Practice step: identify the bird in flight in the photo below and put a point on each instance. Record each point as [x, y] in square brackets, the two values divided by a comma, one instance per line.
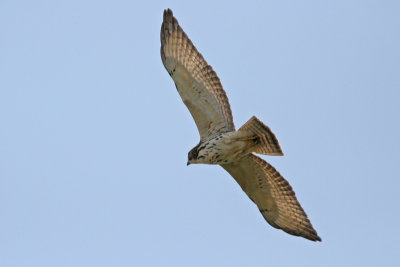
[202, 92]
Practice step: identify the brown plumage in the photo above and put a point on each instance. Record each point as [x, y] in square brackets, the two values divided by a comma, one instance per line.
[261, 134]
[204, 96]
[273, 196]
[196, 81]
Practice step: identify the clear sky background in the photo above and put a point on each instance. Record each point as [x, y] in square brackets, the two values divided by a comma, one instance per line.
[94, 137]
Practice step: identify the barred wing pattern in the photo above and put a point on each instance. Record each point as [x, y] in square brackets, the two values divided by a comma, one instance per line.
[273, 196]
[196, 81]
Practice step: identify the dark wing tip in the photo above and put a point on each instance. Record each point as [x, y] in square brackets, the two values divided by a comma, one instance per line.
[168, 13]
[312, 235]
[317, 238]
[169, 17]
[169, 25]
[307, 233]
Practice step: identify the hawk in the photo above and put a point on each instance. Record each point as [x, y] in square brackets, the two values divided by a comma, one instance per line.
[202, 92]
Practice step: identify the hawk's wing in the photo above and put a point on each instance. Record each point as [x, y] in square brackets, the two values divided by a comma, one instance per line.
[273, 196]
[196, 81]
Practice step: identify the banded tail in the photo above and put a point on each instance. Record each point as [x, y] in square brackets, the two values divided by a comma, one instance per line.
[263, 140]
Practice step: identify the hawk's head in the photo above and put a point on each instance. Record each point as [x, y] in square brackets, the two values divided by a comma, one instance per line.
[192, 155]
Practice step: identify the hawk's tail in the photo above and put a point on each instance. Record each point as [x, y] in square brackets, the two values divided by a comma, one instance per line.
[263, 140]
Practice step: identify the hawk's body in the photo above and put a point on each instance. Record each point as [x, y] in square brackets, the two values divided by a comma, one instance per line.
[203, 94]
[221, 149]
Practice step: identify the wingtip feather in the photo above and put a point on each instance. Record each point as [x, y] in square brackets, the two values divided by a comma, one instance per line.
[168, 17]
[168, 13]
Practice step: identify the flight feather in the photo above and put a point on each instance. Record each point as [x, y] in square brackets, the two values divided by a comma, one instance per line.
[273, 196]
[196, 81]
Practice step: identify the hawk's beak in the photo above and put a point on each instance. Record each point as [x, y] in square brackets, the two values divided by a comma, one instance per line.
[188, 163]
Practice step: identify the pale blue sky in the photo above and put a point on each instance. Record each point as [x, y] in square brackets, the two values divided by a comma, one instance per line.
[94, 137]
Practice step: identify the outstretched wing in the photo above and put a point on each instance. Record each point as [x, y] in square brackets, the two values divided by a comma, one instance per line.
[273, 196]
[196, 81]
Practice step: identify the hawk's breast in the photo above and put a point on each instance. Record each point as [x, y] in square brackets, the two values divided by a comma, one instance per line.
[222, 149]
